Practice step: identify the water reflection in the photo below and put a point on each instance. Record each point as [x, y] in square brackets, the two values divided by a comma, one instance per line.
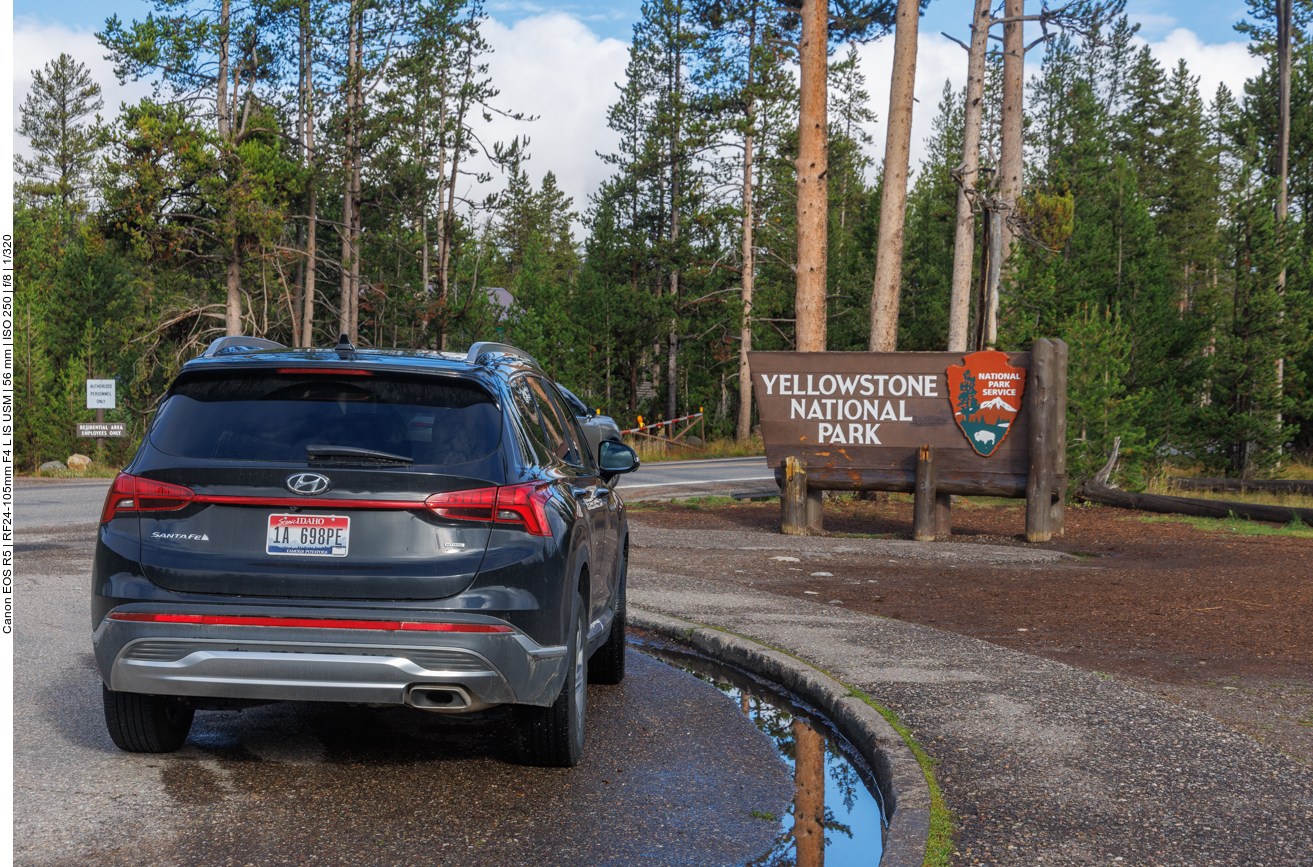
[836, 817]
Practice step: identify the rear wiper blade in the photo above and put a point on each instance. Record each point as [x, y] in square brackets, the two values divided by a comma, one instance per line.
[320, 452]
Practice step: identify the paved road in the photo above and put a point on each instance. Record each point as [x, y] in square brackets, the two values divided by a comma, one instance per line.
[59, 503]
[666, 479]
[672, 772]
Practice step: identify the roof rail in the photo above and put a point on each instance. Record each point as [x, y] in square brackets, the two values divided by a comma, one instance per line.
[239, 343]
[480, 349]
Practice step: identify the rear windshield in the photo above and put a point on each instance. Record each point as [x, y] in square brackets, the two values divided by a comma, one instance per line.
[274, 417]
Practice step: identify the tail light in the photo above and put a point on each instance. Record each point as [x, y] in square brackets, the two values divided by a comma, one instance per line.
[473, 505]
[135, 494]
[524, 504]
[515, 504]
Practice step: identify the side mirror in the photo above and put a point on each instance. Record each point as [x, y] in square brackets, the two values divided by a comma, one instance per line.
[616, 458]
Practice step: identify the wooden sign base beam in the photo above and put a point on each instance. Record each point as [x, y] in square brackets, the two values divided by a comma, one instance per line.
[800, 508]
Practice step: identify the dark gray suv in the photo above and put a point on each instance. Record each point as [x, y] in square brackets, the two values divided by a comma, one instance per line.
[379, 527]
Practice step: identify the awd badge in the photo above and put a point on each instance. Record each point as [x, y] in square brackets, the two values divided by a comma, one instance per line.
[986, 395]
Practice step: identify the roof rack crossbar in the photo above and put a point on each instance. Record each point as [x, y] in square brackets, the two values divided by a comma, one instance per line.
[239, 343]
[480, 349]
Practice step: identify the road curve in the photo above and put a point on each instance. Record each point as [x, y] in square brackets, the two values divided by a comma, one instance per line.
[666, 479]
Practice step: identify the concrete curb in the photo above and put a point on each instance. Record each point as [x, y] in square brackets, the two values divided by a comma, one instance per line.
[897, 772]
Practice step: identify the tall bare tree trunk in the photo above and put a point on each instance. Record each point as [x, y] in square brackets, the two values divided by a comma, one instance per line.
[348, 197]
[356, 225]
[233, 275]
[1283, 151]
[442, 185]
[893, 202]
[743, 430]
[672, 342]
[308, 317]
[959, 309]
[458, 145]
[221, 95]
[312, 217]
[812, 165]
[233, 313]
[1011, 164]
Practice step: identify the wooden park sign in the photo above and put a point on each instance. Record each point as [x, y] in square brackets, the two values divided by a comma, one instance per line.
[932, 424]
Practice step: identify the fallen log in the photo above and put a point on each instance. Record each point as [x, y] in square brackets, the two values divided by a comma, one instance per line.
[1096, 490]
[1266, 486]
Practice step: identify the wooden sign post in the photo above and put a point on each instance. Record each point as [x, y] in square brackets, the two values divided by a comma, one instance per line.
[932, 424]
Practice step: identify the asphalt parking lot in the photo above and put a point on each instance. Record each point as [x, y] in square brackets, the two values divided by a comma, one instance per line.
[672, 772]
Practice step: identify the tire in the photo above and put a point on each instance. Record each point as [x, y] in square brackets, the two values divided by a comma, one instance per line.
[608, 663]
[146, 723]
[553, 737]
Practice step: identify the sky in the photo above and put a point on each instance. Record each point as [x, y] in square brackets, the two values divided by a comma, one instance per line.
[562, 60]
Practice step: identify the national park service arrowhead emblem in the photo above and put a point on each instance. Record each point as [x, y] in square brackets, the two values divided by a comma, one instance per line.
[986, 395]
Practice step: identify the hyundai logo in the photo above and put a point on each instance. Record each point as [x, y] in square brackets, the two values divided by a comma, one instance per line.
[307, 483]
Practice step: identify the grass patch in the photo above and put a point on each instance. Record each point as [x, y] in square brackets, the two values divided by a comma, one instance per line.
[655, 451]
[1241, 526]
[1164, 486]
[1292, 467]
[762, 814]
[95, 471]
[939, 843]
[708, 502]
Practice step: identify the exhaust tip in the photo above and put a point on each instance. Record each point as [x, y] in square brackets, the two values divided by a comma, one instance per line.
[438, 698]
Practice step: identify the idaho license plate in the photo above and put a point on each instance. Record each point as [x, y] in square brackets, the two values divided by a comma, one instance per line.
[308, 535]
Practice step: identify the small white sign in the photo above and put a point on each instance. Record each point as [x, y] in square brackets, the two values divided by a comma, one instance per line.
[100, 394]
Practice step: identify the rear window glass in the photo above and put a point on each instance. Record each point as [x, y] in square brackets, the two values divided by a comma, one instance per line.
[275, 417]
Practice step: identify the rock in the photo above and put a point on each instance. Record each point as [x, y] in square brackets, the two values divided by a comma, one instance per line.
[696, 442]
[50, 467]
[78, 463]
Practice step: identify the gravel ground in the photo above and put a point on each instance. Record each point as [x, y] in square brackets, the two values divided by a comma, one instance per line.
[1043, 763]
[1217, 621]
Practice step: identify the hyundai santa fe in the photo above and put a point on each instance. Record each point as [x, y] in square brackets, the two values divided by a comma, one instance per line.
[363, 526]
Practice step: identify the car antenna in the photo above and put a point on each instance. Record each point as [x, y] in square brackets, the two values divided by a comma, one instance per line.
[344, 347]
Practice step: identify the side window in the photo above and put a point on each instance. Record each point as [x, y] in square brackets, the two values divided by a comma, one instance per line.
[589, 460]
[572, 403]
[531, 418]
[554, 424]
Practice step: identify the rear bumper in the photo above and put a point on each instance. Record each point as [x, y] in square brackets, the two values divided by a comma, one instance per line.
[277, 663]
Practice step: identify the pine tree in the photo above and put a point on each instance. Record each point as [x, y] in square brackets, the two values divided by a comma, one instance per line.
[54, 119]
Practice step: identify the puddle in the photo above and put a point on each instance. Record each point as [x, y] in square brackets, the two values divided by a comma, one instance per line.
[836, 818]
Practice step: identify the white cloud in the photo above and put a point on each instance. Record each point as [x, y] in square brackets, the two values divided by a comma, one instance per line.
[1228, 63]
[37, 43]
[938, 59]
[557, 68]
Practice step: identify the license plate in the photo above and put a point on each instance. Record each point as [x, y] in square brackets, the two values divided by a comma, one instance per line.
[308, 535]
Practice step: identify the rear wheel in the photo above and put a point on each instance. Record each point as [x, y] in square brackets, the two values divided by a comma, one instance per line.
[553, 736]
[608, 663]
[141, 723]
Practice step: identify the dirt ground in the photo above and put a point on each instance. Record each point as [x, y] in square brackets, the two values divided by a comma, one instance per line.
[1217, 621]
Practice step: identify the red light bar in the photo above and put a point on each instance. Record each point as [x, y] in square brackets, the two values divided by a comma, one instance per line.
[309, 622]
[327, 370]
[309, 502]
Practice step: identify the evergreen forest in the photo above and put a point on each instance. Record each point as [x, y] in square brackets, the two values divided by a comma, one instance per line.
[308, 168]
